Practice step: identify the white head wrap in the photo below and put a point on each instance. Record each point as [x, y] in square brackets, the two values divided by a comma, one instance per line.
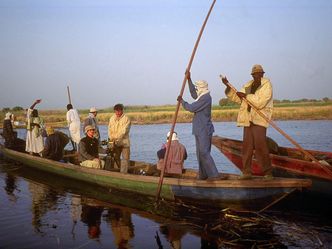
[8, 115]
[174, 136]
[202, 88]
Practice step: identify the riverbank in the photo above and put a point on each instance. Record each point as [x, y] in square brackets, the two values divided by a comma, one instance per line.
[164, 114]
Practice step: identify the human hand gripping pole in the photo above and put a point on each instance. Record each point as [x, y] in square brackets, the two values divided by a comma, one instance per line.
[179, 102]
[306, 153]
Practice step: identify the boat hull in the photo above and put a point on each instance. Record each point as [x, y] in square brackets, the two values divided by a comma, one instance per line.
[252, 194]
[288, 165]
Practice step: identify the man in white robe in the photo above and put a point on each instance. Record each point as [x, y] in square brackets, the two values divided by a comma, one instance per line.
[74, 125]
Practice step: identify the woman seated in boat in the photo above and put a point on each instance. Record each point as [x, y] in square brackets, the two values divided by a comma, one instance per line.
[176, 156]
[88, 150]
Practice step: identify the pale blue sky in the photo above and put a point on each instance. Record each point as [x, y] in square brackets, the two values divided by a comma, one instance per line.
[136, 52]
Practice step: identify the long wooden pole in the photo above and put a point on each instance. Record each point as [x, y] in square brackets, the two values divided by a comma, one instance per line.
[178, 103]
[306, 153]
[68, 95]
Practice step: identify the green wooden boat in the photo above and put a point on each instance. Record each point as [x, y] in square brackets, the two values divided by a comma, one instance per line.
[253, 194]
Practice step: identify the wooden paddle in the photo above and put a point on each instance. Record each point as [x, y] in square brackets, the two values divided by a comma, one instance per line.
[178, 103]
[306, 153]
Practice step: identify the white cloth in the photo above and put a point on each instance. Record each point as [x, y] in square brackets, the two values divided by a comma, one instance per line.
[74, 124]
[202, 88]
[34, 141]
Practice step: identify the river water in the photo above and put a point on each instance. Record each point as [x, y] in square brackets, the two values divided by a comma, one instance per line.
[44, 211]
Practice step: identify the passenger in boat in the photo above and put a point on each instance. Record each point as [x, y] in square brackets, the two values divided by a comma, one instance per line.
[118, 134]
[53, 148]
[202, 127]
[259, 92]
[92, 120]
[35, 128]
[88, 150]
[8, 131]
[176, 156]
[74, 124]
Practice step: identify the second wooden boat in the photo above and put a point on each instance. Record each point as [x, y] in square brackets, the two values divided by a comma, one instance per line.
[286, 162]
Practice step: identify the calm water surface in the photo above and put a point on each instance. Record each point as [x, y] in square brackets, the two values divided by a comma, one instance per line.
[43, 211]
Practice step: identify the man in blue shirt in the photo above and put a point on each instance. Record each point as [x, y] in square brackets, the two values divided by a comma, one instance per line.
[202, 127]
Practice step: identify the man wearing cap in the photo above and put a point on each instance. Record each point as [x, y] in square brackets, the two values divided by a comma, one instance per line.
[88, 150]
[176, 156]
[92, 120]
[118, 134]
[53, 148]
[257, 91]
[202, 127]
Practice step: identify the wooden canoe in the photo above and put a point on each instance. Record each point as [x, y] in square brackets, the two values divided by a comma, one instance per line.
[253, 194]
[286, 162]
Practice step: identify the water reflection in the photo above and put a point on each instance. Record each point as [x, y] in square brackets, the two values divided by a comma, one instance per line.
[121, 225]
[173, 235]
[91, 216]
[10, 187]
[43, 199]
[109, 219]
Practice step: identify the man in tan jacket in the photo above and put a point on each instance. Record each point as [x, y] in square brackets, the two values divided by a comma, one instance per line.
[118, 134]
[259, 92]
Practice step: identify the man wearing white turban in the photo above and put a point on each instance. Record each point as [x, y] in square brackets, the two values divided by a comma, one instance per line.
[202, 127]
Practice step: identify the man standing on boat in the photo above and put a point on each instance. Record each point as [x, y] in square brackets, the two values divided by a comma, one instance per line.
[35, 126]
[202, 127]
[92, 120]
[88, 150]
[258, 91]
[74, 124]
[118, 134]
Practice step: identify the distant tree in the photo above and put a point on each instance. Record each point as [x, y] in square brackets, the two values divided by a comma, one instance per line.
[276, 101]
[223, 101]
[285, 101]
[5, 109]
[326, 99]
[17, 108]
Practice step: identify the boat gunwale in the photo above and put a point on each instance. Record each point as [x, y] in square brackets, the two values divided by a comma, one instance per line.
[256, 182]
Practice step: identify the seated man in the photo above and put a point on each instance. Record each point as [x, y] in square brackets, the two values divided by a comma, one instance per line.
[54, 146]
[176, 156]
[8, 132]
[88, 147]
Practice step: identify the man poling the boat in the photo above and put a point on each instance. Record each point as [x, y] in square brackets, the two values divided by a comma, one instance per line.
[259, 92]
[202, 127]
[181, 93]
[267, 118]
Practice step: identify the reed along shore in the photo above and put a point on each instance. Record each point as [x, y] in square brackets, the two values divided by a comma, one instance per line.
[164, 114]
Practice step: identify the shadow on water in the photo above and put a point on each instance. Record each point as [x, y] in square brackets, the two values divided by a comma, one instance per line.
[297, 223]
